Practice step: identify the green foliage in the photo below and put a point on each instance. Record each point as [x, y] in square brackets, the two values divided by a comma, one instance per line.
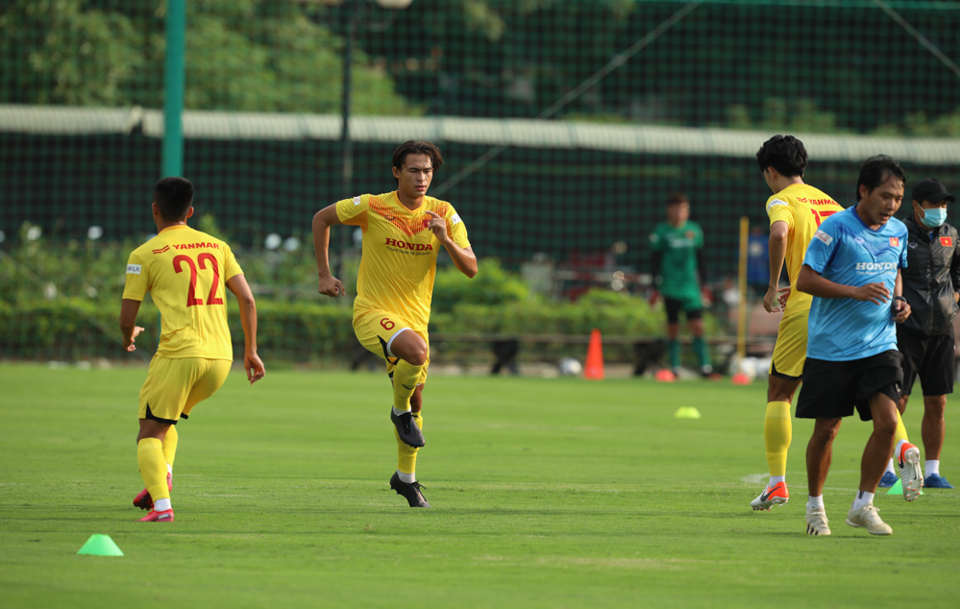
[782, 115]
[241, 55]
[919, 125]
[492, 286]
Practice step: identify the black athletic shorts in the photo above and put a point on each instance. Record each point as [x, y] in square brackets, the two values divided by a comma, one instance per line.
[674, 306]
[930, 357]
[831, 390]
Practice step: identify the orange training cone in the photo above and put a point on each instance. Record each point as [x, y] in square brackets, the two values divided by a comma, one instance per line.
[594, 368]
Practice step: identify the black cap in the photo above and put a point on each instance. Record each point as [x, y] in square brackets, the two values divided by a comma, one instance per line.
[932, 191]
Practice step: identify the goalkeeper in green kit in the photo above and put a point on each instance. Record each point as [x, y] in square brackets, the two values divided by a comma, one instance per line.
[677, 258]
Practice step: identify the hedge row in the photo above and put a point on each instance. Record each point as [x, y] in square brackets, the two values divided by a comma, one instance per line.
[75, 329]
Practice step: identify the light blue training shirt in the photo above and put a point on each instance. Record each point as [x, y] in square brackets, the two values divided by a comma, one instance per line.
[846, 251]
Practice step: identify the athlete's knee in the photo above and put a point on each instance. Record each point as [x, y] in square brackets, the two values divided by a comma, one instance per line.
[825, 430]
[935, 404]
[410, 347]
[416, 355]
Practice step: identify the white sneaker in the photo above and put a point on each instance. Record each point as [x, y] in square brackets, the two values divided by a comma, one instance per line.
[911, 478]
[868, 517]
[817, 522]
[771, 496]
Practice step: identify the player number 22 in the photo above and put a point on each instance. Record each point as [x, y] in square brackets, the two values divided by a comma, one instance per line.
[201, 259]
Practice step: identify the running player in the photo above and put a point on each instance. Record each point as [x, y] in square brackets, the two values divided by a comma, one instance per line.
[186, 271]
[677, 258]
[852, 269]
[795, 211]
[403, 232]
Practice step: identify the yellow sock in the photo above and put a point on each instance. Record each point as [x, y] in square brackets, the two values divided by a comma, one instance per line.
[407, 455]
[405, 379]
[901, 433]
[170, 445]
[153, 468]
[777, 434]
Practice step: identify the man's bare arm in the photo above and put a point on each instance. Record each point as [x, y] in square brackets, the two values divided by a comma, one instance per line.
[322, 221]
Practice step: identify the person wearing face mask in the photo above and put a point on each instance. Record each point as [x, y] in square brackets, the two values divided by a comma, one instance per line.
[931, 283]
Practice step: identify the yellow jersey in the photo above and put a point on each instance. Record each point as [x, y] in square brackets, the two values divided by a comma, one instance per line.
[399, 261]
[186, 272]
[803, 208]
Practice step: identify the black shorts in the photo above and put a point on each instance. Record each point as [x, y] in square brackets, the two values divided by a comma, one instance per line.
[674, 306]
[930, 357]
[831, 390]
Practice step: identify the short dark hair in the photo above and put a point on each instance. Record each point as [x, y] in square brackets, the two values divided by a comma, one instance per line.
[876, 170]
[173, 196]
[417, 147]
[784, 153]
[677, 197]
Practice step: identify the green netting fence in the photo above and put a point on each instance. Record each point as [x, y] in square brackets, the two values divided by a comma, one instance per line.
[564, 124]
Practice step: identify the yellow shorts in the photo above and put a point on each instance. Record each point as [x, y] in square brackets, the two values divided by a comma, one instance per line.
[376, 330]
[790, 352]
[174, 386]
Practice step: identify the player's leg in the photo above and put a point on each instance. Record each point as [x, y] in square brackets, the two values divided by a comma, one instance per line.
[819, 458]
[936, 377]
[827, 396]
[412, 352]
[786, 368]
[672, 305]
[933, 430]
[914, 350]
[695, 323]
[406, 354]
[883, 412]
[161, 399]
[404, 481]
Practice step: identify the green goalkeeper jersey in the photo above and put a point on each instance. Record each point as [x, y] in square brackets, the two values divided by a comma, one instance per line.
[678, 249]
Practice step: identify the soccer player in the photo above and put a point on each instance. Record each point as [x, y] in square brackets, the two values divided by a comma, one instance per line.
[795, 210]
[403, 232]
[930, 285]
[187, 273]
[852, 269]
[677, 257]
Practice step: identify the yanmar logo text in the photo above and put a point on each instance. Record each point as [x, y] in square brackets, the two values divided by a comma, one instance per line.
[412, 248]
[876, 266]
[194, 246]
[187, 246]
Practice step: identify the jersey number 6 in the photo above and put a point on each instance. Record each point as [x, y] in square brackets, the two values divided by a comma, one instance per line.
[201, 259]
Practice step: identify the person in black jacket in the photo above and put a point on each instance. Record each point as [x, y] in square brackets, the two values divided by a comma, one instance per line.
[930, 284]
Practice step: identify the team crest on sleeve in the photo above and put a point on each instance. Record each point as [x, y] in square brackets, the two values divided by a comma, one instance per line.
[134, 269]
[356, 200]
[775, 203]
[455, 220]
[894, 241]
[822, 236]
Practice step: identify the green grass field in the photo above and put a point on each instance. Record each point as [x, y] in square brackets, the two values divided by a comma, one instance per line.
[546, 493]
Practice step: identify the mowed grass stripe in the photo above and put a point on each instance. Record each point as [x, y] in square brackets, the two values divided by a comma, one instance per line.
[547, 493]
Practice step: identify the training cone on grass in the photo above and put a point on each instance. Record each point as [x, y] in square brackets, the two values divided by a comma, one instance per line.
[687, 412]
[897, 489]
[100, 545]
[665, 376]
[740, 378]
[594, 368]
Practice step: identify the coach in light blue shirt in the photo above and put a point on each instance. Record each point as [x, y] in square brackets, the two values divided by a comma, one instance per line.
[852, 269]
[847, 252]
